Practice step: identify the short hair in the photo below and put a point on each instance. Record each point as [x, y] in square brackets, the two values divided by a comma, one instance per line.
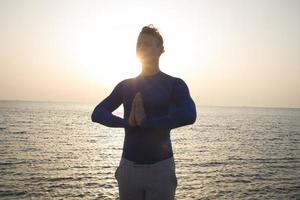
[150, 29]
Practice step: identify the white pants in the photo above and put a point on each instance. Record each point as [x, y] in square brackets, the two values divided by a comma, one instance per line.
[156, 181]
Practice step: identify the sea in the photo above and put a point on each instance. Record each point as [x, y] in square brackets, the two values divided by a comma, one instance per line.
[52, 150]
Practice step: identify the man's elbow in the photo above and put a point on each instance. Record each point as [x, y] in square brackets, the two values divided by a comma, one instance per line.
[192, 118]
[192, 114]
[94, 116]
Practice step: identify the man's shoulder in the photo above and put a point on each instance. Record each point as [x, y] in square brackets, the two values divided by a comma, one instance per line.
[126, 81]
[175, 79]
[171, 77]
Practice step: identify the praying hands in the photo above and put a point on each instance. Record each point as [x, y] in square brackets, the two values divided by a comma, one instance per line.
[137, 113]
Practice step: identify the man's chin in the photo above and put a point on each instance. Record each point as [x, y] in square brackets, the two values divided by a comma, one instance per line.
[146, 60]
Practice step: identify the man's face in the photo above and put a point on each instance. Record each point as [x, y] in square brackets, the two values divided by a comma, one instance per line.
[147, 48]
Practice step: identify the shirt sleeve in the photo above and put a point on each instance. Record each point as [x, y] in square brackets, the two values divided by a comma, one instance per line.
[103, 111]
[182, 110]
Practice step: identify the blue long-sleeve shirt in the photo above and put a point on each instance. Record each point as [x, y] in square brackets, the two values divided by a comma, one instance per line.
[167, 104]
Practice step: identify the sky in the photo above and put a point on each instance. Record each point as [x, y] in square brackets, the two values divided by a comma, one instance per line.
[230, 53]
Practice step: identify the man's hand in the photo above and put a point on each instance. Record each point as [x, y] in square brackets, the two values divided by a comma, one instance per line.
[131, 120]
[137, 113]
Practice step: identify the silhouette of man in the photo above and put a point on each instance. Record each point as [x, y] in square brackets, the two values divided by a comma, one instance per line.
[154, 103]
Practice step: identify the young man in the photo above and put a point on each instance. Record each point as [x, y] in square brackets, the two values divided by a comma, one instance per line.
[154, 103]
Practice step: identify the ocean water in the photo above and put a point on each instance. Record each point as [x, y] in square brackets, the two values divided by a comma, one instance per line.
[54, 151]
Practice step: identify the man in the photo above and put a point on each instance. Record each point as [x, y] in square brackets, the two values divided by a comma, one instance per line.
[154, 103]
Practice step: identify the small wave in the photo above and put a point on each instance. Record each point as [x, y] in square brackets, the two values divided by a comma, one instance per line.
[29, 149]
[11, 163]
[64, 186]
[12, 193]
[91, 141]
[63, 179]
[91, 184]
[18, 132]
[209, 164]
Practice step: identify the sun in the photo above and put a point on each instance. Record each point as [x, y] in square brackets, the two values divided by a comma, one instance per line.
[110, 68]
[104, 58]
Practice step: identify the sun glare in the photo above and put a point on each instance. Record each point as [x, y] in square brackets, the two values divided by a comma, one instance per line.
[109, 68]
[108, 56]
[103, 58]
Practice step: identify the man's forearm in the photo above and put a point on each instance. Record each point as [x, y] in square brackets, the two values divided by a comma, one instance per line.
[106, 118]
[171, 121]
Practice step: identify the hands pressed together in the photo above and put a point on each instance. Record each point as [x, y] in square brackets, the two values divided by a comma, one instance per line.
[137, 113]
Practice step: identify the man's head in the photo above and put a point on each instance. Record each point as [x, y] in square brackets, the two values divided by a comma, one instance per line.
[150, 44]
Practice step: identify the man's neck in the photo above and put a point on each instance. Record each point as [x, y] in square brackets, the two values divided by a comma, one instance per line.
[150, 68]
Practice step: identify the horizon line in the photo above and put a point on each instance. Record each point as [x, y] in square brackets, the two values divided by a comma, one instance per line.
[203, 105]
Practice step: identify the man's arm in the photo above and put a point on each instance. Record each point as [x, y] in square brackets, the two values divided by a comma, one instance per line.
[181, 113]
[103, 112]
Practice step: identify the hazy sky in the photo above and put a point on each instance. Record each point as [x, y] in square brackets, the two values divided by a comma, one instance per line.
[230, 53]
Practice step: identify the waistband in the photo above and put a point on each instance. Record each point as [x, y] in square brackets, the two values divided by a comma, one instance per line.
[166, 162]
